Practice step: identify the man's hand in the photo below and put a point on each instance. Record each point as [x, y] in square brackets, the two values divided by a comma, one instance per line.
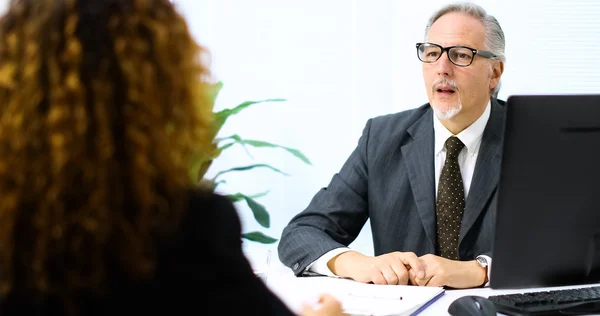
[445, 272]
[390, 268]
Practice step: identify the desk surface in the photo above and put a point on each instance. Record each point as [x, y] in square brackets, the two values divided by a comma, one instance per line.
[283, 282]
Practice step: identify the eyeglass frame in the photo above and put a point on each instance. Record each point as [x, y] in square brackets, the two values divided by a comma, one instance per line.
[482, 53]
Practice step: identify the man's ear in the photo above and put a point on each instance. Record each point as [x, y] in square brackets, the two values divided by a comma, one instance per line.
[496, 73]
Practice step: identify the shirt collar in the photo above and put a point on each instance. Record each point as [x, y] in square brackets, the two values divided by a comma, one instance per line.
[470, 136]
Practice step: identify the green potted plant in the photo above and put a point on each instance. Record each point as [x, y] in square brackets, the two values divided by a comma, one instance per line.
[201, 164]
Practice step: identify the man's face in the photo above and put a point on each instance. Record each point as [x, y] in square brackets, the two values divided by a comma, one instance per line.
[460, 93]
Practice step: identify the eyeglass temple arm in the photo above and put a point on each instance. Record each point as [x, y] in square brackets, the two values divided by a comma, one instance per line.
[485, 53]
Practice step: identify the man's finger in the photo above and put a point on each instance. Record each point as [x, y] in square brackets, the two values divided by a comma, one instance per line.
[410, 259]
[412, 276]
[390, 275]
[402, 272]
[378, 278]
[418, 281]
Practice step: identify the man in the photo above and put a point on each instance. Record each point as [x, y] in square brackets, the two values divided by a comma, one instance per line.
[425, 177]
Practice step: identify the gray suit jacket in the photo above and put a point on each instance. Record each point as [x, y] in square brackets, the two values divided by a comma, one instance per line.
[389, 178]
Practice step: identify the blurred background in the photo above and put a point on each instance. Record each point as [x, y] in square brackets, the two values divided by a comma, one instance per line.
[338, 63]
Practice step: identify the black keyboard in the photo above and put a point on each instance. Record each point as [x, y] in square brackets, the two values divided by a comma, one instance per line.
[579, 301]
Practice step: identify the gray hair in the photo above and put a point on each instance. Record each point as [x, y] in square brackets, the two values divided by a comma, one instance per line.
[494, 36]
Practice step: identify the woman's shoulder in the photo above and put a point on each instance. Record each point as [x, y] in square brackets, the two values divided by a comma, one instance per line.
[211, 210]
[210, 203]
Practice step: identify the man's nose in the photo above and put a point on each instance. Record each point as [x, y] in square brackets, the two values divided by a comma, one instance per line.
[444, 65]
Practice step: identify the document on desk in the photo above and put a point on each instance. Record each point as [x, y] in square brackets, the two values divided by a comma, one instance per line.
[378, 300]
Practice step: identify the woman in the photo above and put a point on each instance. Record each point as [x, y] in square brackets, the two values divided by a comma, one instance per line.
[102, 105]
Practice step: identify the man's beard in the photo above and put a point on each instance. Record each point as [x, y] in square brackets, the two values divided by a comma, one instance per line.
[447, 113]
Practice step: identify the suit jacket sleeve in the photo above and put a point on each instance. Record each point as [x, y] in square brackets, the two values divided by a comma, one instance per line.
[335, 215]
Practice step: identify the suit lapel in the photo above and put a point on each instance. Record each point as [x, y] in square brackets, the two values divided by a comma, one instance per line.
[418, 156]
[487, 169]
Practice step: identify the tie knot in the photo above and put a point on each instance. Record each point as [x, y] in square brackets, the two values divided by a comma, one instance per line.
[453, 146]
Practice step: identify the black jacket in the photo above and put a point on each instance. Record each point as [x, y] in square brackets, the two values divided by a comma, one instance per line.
[202, 270]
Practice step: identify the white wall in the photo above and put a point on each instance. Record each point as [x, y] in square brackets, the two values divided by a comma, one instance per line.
[340, 62]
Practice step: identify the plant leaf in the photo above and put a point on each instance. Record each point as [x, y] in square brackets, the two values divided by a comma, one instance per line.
[239, 196]
[222, 116]
[226, 146]
[244, 168]
[236, 197]
[236, 140]
[216, 184]
[259, 195]
[295, 152]
[259, 237]
[259, 211]
[213, 91]
[262, 144]
[199, 164]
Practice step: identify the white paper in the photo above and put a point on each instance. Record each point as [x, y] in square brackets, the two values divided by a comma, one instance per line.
[370, 299]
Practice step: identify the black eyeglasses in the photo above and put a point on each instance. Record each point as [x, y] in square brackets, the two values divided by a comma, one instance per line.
[459, 55]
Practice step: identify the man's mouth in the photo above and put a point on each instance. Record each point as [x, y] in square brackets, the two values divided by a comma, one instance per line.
[445, 90]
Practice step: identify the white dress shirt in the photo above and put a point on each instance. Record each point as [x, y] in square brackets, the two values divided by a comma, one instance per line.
[471, 137]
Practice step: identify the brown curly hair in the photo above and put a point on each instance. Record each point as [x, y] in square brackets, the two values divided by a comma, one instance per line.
[102, 104]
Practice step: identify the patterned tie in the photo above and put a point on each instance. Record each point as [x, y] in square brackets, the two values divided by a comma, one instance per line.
[450, 202]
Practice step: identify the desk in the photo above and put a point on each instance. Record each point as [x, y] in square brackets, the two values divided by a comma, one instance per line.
[282, 281]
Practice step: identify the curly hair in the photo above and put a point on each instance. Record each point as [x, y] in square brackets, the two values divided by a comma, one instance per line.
[102, 104]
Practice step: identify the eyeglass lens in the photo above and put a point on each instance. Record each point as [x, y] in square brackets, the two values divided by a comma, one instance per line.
[459, 55]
